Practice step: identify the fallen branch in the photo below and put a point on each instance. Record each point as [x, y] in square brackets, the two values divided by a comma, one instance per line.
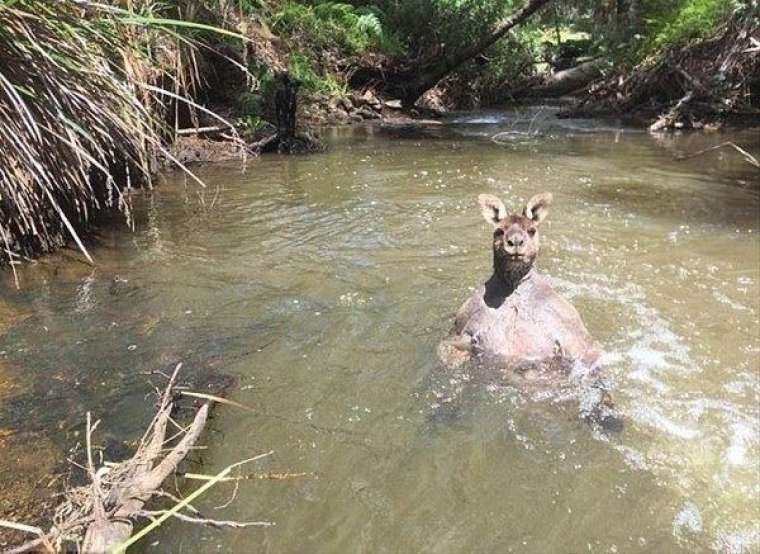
[672, 117]
[749, 158]
[200, 130]
[99, 517]
[122, 547]
[218, 523]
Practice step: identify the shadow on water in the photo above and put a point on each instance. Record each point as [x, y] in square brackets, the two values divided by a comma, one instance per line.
[322, 285]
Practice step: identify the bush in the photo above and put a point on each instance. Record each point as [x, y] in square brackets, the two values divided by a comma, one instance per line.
[691, 19]
[72, 121]
[330, 25]
[302, 68]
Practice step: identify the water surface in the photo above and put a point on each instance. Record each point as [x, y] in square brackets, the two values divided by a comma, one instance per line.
[323, 284]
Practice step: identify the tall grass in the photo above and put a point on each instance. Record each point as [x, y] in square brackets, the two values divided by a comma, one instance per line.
[81, 87]
[70, 123]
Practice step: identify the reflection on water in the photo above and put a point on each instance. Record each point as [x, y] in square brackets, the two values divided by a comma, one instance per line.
[324, 283]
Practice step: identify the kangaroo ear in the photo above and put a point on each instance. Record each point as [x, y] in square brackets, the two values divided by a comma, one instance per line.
[492, 208]
[537, 207]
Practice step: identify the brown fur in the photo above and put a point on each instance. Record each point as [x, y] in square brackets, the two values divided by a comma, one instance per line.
[516, 322]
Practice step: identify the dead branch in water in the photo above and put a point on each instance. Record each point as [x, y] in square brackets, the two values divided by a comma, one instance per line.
[749, 158]
[99, 517]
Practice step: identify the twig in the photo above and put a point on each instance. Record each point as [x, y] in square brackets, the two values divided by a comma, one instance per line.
[755, 46]
[122, 548]
[29, 546]
[199, 130]
[232, 497]
[271, 476]
[204, 521]
[97, 493]
[190, 507]
[20, 527]
[215, 399]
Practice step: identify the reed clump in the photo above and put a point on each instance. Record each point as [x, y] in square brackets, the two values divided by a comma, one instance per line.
[74, 133]
[84, 92]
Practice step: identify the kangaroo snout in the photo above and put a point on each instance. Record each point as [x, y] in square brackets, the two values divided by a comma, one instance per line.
[515, 242]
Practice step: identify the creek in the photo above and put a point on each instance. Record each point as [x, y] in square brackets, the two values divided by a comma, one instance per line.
[323, 283]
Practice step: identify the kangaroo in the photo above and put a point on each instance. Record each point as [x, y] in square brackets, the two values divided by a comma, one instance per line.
[516, 328]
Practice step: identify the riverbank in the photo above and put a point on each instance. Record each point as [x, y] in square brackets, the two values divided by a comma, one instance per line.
[230, 87]
[710, 83]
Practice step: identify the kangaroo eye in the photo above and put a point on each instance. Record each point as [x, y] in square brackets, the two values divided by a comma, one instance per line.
[498, 233]
[532, 231]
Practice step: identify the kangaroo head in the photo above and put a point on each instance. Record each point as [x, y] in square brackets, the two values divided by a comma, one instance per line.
[515, 236]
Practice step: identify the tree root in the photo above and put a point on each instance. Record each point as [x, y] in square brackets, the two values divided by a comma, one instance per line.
[99, 517]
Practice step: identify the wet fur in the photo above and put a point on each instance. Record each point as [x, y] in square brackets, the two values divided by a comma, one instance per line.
[516, 329]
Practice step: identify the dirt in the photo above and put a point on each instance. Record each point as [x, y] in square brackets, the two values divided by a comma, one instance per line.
[9, 385]
[194, 149]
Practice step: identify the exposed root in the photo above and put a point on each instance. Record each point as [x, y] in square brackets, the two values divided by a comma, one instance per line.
[99, 516]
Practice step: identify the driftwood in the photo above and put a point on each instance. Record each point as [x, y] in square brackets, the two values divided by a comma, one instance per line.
[203, 130]
[100, 516]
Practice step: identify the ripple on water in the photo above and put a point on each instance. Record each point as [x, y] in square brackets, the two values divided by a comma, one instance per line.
[325, 282]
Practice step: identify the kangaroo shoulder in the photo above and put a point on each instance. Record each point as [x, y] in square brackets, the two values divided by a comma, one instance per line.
[468, 308]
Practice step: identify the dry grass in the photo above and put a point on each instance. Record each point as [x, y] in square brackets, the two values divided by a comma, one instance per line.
[83, 91]
[71, 124]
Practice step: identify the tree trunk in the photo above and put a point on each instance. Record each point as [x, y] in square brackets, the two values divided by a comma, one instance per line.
[286, 104]
[411, 83]
[569, 80]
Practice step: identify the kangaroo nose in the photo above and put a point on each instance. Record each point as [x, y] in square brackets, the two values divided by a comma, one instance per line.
[515, 241]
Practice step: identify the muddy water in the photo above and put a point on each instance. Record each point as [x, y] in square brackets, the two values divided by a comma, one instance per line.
[323, 284]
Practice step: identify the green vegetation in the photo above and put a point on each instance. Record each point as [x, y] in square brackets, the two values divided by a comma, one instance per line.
[75, 139]
[84, 95]
[668, 24]
[303, 67]
[630, 31]
[329, 25]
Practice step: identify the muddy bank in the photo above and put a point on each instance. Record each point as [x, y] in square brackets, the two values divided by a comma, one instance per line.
[214, 144]
[30, 478]
[30, 462]
[10, 315]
